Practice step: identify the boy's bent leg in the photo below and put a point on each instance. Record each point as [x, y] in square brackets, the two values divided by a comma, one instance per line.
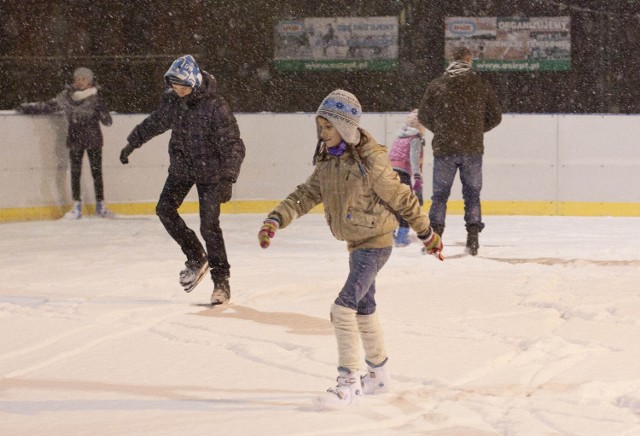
[172, 196]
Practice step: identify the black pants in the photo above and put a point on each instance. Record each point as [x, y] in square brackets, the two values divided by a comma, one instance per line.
[173, 194]
[95, 163]
[406, 179]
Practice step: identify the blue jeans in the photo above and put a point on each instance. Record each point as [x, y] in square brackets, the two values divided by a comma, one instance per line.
[444, 172]
[359, 291]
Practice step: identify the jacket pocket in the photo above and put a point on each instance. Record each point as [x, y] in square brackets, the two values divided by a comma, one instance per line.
[360, 218]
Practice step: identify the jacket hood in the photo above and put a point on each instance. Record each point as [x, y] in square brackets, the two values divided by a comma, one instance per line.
[184, 71]
[368, 145]
[208, 88]
[408, 131]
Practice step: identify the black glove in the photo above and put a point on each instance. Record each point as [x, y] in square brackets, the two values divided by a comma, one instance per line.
[124, 154]
[27, 108]
[223, 192]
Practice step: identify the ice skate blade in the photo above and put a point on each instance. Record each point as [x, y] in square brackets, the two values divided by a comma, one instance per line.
[219, 298]
[191, 286]
[338, 397]
[219, 302]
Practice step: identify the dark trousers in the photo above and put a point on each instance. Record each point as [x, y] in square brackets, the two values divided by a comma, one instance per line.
[172, 196]
[95, 163]
[406, 179]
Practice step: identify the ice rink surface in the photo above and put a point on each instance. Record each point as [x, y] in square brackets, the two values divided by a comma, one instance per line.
[537, 335]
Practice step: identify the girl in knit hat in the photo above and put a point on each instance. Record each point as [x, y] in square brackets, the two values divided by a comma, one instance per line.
[85, 110]
[406, 156]
[361, 195]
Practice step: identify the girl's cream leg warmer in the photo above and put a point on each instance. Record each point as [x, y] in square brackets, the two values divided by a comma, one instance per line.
[372, 339]
[346, 328]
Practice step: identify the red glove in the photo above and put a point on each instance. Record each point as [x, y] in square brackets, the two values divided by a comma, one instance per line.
[432, 244]
[267, 231]
[417, 184]
[417, 187]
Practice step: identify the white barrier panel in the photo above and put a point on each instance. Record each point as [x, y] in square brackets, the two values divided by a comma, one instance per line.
[528, 158]
[599, 158]
[520, 161]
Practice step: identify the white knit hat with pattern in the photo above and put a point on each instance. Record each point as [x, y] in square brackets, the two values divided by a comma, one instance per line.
[343, 110]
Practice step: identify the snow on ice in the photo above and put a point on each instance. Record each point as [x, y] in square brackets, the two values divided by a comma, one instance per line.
[538, 335]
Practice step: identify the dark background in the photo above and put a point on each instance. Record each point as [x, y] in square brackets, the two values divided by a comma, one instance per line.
[130, 44]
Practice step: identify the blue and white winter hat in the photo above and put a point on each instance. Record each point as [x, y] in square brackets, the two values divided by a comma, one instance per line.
[184, 71]
[342, 109]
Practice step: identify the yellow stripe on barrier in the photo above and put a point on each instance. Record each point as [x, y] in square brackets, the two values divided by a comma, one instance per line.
[455, 207]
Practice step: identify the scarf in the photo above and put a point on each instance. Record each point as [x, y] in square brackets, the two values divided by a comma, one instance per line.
[81, 95]
[457, 67]
[338, 150]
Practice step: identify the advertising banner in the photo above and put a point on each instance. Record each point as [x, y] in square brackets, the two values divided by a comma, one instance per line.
[337, 43]
[512, 43]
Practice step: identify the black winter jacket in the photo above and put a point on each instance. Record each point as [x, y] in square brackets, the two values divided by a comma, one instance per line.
[84, 115]
[205, 144]
[459, 109]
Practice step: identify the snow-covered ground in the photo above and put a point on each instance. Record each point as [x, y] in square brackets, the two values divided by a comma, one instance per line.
[538, 335]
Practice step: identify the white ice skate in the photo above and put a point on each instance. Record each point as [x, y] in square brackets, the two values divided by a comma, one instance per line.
[102, 211]
[347, 392]
[76, 211]
[377, 380]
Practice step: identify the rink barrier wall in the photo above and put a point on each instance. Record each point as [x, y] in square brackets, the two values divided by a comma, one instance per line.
[578, 165]
[455, 207]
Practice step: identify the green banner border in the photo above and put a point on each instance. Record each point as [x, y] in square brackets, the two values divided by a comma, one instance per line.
[497, 66]
[312, 65]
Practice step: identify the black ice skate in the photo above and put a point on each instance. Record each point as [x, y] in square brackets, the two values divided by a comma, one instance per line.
[472, 240]
[193, 274]
[221, 292]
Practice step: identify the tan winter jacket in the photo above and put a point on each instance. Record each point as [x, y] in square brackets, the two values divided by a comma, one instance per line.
[360, 193]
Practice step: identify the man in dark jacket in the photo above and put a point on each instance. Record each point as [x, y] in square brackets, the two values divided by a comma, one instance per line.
[459, 107]
[205, 150]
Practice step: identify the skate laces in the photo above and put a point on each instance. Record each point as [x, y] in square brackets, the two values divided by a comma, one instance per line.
[343, 387]
[193, 266]
[338, 392]
[191, 272]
